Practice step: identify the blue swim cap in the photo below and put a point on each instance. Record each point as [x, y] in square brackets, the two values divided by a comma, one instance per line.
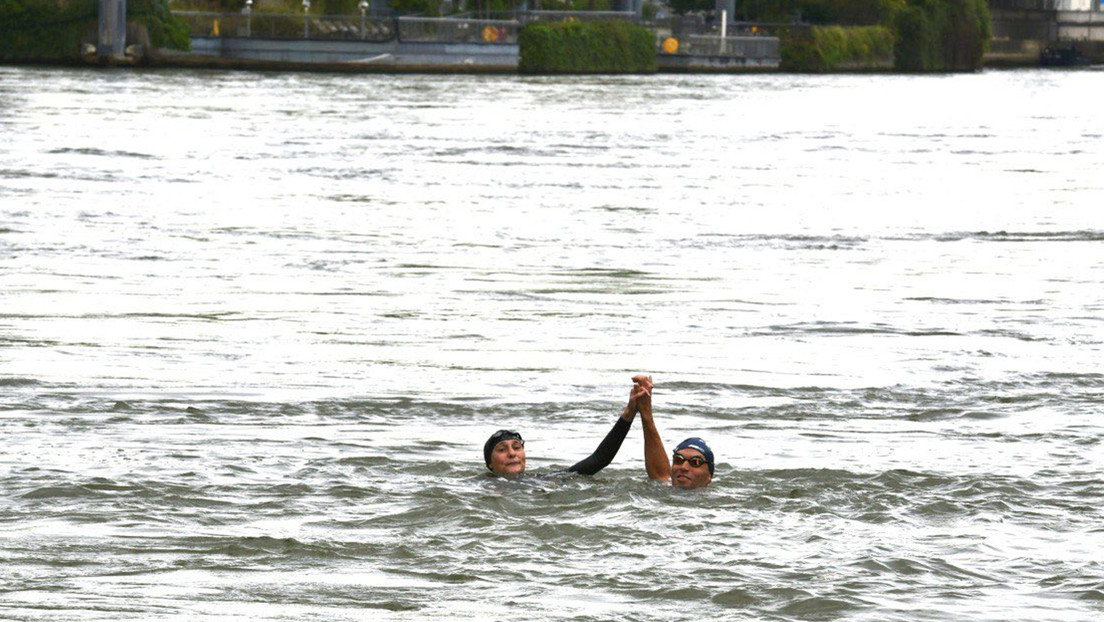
[697, 444]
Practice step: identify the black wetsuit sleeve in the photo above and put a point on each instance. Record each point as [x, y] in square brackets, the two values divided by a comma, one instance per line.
[607, 449]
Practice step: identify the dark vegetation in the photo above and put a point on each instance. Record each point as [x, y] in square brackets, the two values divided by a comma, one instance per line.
[834, 48]
[586, 47]
[56, 29]
[925, 35]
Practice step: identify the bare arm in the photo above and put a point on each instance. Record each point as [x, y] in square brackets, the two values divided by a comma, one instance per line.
[655, 455]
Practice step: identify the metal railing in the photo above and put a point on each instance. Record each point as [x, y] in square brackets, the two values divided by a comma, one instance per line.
[458, 30]
[288, 26]
[579, 16]
[729, 47]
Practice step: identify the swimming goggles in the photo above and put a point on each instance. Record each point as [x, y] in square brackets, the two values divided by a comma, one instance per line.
[695, 461]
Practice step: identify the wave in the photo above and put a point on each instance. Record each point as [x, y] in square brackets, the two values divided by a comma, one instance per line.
[732, 402]
[109, 153]
[850, 328]
[19, 382]
[1086, 235]
[836, 242]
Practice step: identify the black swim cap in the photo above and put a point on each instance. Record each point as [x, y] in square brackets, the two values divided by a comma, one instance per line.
[501, 435]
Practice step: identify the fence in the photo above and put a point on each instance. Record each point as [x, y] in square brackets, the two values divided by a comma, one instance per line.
[458, 30]
[288, 26]
[580, 16]
[731, 47]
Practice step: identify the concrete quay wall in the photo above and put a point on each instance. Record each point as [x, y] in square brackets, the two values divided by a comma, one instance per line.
[404, 56]
[388, 56]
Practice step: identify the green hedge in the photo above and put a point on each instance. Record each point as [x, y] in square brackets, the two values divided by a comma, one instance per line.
[45, 30]
[832, 48]
[942, 35]
[586, 47]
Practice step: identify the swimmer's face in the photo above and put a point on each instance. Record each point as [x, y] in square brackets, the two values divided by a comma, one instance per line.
[508, 458]
[683, 472]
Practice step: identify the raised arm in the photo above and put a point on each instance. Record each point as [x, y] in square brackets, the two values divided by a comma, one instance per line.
[607, 449]
[656, 462]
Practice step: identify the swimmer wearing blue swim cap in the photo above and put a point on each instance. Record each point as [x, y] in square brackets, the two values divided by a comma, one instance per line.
[691, 465]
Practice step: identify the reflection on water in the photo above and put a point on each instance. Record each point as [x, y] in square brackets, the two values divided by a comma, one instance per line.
[254, 329]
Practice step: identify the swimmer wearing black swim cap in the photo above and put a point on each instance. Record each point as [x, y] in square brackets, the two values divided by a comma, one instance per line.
[504, 451]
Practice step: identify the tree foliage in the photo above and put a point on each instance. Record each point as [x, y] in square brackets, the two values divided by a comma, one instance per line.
[165, 30]
[942, 35]
[56, 29]
[926, 35]
[45, 29]
[849, 12]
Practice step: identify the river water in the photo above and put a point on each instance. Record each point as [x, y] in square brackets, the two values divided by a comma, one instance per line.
[255, 327]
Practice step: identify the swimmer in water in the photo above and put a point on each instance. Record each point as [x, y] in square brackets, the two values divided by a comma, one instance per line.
[691, 464]
[504, 451]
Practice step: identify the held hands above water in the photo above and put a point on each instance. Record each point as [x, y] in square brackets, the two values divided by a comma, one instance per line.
[640, 397]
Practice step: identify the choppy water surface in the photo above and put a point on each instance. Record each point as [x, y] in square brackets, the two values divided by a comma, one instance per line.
[254, 329]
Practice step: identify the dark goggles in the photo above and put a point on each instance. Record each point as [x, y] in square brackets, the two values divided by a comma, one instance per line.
[505, 435]
[695, 461]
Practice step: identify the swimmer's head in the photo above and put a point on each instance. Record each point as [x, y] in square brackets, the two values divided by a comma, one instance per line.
[504, 453]
[692, 464]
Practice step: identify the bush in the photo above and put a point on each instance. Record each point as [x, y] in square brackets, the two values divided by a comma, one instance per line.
[586, 47]
[923, 35]
[830, 48]
[942, 35]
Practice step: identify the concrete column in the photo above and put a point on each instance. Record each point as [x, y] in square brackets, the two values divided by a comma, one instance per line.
[112, 40]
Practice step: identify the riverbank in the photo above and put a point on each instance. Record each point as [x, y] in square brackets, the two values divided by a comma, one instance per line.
[473, 45]
[268, 55]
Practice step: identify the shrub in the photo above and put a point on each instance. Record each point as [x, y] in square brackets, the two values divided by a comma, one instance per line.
[586, 47]
[942, 35]
[830, 48]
